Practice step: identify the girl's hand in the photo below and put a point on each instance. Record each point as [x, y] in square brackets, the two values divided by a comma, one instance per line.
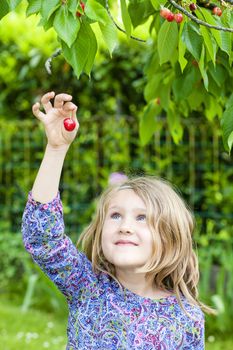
[53, 118]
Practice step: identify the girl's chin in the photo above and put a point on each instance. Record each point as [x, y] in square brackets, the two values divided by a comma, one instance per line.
[125, 266]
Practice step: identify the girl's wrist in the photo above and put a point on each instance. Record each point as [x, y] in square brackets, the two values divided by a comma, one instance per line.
[57, 149]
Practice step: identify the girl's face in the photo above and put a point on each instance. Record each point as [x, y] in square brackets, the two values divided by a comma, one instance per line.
[126, 238]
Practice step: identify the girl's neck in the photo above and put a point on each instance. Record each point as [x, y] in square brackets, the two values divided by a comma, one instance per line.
[138, 284]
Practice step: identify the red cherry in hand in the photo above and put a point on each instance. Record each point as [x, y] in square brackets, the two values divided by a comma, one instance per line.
[69, 124]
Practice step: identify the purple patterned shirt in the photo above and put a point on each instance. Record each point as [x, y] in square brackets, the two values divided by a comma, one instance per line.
[101, 315]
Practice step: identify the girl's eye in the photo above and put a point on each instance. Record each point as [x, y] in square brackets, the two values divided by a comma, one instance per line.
[115, 216]
[141, 217]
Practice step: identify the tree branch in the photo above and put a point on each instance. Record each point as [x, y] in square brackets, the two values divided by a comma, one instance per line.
[229, 1]
[118, 27]
[198, 21]
[48, 63]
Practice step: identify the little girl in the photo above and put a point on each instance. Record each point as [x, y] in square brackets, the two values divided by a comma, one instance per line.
[134, 285]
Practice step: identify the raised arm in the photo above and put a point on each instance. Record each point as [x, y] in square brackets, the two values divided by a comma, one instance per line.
[42, 224]
[46, 184]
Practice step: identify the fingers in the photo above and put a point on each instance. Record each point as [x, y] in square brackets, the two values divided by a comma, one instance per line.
[61, 99]
[69, 107]
[36, 111]
[73, 113]
[74, 117]
[45, 100]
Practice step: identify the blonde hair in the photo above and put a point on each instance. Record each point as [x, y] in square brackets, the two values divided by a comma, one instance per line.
[173, 266]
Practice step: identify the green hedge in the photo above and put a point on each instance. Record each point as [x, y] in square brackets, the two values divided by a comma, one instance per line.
[110, 143]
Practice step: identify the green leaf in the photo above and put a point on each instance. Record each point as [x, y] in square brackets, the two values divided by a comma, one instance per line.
[181, 50]
[227, 122]
[125, 17]
[82, 53]
[207, 16]
[226, 37]
[152, 64]
[109, 32]
[229, 103]
[226, 42]
[209, 43]
[34, 6]
[48, 7]
[66, 25]
[192, 39]
[208, 35]
[197, 98]
[47, 24]
[92, 49]
[157, 3]
[183, 85]
[218, 73]
[139, 11]
[174, 124]
[13, 4]
[222, 38]
[96, 12]
[148, 123]
[212, 109]
[152, 88]
[165, 96]
[167, 41]
[4, 8]
[227, 17]
[72, 6]
[76, 56]
[203, 69]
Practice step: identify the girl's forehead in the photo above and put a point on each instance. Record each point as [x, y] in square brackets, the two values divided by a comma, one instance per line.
[126, 197]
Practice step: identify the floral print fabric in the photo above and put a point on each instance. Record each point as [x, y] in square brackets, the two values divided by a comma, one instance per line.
[102, 315]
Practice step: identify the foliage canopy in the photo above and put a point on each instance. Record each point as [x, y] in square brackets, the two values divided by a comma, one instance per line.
[188, 68]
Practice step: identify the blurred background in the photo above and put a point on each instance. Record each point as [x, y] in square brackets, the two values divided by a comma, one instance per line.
[32, 312]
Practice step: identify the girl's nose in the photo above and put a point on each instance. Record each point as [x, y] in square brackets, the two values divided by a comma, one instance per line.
[126, 226]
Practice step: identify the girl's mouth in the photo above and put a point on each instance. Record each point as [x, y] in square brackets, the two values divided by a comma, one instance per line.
[126, 243]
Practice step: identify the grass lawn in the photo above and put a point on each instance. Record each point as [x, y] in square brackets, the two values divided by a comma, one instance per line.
[32, 330]
[220, 345]
[36, 330]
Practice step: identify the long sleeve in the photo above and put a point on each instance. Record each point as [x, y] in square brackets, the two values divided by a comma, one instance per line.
[51, 249]
[199, 334]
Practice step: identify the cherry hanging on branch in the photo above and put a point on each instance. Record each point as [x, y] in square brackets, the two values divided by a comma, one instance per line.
[199, 21]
